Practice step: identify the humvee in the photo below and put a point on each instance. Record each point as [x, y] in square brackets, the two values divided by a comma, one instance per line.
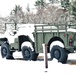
[20, 38]
[60, 40]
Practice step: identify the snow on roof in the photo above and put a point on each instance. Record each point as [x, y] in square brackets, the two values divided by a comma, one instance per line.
[25, 25]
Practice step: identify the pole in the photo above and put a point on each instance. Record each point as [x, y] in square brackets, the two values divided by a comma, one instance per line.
[45, 55]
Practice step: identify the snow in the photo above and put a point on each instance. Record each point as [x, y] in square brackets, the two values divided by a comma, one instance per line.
[24, 29]
[50, 28]
[28, 44]
[71, 30]
[56, 43]
[22, 67]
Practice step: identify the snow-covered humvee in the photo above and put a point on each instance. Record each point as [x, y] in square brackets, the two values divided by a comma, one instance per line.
[20, 39]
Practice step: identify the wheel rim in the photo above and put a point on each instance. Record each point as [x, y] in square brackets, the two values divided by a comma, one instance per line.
[4, 51]
[57, 54]
[27, 53]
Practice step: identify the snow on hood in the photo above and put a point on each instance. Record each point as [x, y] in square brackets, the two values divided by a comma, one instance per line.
[23, 29]
[26, 29]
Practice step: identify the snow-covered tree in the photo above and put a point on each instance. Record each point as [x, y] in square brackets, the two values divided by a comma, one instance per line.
[17, 14]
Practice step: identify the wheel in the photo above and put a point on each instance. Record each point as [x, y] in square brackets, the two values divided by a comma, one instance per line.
[5, 52]
[28, 54]
[59, 53]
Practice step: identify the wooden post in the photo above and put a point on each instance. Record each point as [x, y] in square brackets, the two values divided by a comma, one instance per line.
[45, 56]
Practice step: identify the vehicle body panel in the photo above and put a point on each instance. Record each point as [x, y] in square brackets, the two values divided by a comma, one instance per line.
[44, 33]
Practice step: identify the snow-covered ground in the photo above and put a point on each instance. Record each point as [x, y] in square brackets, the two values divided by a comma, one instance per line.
[22, 67]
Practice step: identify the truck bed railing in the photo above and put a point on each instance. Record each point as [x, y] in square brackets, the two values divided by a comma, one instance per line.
[53, 28]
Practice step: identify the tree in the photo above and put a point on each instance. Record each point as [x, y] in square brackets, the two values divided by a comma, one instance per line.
[73, 9]
[17, 14]
[40, 4]
[27, 13]
[53, 1]
[65, 3]
[70, 6]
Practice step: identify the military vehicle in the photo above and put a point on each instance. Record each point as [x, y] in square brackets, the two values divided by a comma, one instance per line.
[60, 40]
[18, 38]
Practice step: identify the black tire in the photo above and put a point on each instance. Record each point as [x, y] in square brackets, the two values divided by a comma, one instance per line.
[59, 53]
[28, 54]
[34, 56]
[5, 52]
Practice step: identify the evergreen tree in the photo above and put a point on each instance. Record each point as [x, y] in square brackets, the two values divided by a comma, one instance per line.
[27, 13]
[17, 14]
[65, 3]
[53, 1]
[70, 5]
[73, 9]
[40, 4]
